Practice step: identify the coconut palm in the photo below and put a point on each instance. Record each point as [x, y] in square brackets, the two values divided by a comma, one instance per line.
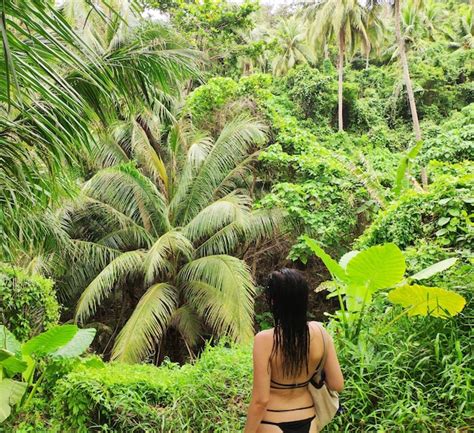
[460, 33]
[376, 30]
[406, 73]
[292, 47]
[58, 87]
[340, 19]
[168, 229]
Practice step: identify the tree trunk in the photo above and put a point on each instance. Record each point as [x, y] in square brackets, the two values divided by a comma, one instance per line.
[340, 67]
[407, 80]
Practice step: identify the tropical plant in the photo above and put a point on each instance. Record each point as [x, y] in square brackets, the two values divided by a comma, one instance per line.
[376, 30]
[406, 73]
[165, 231]
[459, 31]
[61, 81]
[359, 275]
[341, 19]
[66, 341]
[291, 44]
[28, 303]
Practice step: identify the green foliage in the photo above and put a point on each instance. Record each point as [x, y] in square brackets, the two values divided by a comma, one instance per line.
[314, 92]
[320, 209]
[215, 27]
[361, 274]
[452, 141]
[443, 213]
[210, 97]
[66, 341]
[210, 395]
[28, 303]
[417, 377]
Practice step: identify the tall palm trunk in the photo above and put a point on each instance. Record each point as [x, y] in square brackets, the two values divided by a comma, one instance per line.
[340, 66]
[407, 80]
[406, 72]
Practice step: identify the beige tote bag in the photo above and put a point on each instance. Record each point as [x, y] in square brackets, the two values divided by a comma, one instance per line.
[326, 402]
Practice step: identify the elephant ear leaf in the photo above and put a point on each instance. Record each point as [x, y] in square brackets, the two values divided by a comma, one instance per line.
[8, 341]
[11, 392]
[49, 341]
[77, 345]
[423, 300]
[378, 267]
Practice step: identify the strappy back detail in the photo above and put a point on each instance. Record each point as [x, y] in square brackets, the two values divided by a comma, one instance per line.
[305, 383]
[288, 385]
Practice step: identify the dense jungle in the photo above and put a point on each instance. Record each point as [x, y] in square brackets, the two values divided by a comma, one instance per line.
[159, 158]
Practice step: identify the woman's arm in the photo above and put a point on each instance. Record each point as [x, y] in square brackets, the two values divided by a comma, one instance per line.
[332, 370]
[262, 348]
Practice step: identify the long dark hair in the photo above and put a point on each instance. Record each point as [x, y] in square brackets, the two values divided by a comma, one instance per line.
[287, 295]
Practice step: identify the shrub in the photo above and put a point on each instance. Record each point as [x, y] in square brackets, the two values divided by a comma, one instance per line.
[452, 141]
[315, 93]
[443, 213]
[413, 378]
[209, 396]
[28, 303]
[209, 97]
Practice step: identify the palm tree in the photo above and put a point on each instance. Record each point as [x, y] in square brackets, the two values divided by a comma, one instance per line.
[168, 229]
[64, 81]
[341, 19]
[292, 47]
[376, 30]
[406, 72]
[460, 32]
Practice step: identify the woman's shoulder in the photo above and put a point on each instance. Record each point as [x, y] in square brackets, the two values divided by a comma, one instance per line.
[264, 335]
[264, 340]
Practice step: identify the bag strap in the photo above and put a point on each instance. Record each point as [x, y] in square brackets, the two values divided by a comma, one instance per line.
[322, 362]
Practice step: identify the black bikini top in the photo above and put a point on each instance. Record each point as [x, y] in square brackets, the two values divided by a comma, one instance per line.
[292, 385]
[302, 384]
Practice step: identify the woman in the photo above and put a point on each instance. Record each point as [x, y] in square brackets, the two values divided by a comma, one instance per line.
[285, 358]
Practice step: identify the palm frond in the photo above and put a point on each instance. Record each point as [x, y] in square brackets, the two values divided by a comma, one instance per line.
[131, 193]
[188, 323]
[230, 148]
[147, 324]
[147, 156]
[231, 208]
[220, 289]
[115, 273]
[160, 257]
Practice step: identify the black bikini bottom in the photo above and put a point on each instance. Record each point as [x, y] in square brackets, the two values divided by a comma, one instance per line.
[299, 426]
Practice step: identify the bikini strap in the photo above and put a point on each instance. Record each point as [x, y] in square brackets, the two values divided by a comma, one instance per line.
[290, 385]
[290, 410]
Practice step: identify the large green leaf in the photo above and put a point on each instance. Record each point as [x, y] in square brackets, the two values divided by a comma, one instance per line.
[434, 269]
[11, 392]
[13, 365]
[346, 258]
[334, 268]
[77, 345]
[423, 300]
[49, 341]
[8, 340]
[378, 267]
[5, 354]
